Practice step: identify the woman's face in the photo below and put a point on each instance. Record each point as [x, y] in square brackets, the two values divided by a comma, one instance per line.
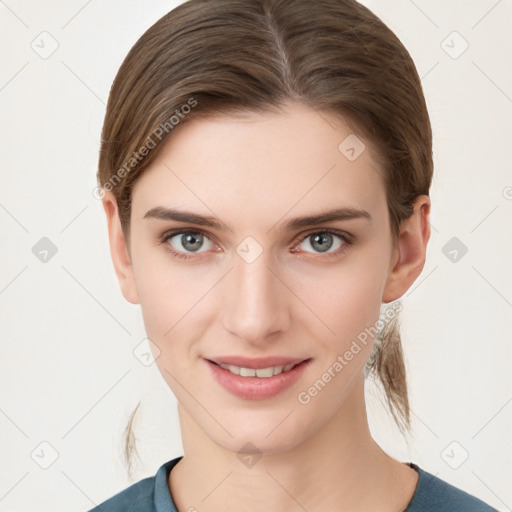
[258, 281]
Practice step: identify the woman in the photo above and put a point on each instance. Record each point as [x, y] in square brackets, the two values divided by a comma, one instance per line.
[265, 169]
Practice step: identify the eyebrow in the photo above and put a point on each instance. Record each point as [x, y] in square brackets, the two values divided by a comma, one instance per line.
[337, 214]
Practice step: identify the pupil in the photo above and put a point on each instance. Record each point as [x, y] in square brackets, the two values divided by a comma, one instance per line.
[322, 242]
[191, 242]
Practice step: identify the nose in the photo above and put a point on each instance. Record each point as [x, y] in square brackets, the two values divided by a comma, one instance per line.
[256, 307]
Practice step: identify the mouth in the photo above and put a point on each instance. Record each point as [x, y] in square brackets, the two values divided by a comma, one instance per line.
[264, 373]
[253, 379]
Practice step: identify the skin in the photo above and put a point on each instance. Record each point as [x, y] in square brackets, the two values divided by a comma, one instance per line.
[255, 172]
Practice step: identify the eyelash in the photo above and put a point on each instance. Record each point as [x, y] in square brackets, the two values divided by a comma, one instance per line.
[345, 237]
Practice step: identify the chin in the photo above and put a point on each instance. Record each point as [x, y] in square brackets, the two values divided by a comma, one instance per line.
[270, 432]
[257, 443]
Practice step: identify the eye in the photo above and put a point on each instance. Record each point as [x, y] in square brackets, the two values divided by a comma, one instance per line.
[184, 243]
[327, 241]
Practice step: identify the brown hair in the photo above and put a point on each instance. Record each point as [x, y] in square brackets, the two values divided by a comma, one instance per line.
[209, 57]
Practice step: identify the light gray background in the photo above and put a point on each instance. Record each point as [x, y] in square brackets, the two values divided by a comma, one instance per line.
[68, 375]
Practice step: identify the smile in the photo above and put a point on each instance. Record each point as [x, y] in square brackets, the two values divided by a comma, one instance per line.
[257, 383]
[260, 372]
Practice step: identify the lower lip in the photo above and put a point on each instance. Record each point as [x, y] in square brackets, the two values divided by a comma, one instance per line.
[256, 388]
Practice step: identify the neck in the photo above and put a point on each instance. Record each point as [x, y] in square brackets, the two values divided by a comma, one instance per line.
[340, 467]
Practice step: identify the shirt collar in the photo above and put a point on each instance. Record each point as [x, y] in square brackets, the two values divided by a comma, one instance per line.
[162, 494]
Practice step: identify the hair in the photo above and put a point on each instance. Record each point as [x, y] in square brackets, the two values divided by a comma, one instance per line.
[214, 57]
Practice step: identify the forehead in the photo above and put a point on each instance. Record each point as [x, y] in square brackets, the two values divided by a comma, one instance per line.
[261, 166]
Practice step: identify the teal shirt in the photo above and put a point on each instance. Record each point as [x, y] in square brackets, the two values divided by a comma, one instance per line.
[152, 495]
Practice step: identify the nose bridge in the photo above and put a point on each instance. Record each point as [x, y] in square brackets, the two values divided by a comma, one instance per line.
[256, 306]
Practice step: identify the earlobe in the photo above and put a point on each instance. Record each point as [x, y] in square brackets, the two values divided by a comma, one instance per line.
[411, 250]
[119, 250]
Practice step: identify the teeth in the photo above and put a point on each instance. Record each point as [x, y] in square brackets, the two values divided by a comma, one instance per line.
[247, 372]
[261, 372]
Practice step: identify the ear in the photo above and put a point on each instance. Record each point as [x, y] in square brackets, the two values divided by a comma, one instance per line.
[119, 249]
[409, 256]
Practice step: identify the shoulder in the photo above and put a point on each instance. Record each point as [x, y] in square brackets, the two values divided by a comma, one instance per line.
[435, 495]
[136, 498]
[143, 496]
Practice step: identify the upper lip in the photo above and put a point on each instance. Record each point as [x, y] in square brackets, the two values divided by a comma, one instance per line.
[256, 363]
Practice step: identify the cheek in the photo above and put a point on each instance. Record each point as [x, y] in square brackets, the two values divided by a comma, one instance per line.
[176, 308]
[351, 309]
[358, 309]
[346, 300]
[167, 292]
